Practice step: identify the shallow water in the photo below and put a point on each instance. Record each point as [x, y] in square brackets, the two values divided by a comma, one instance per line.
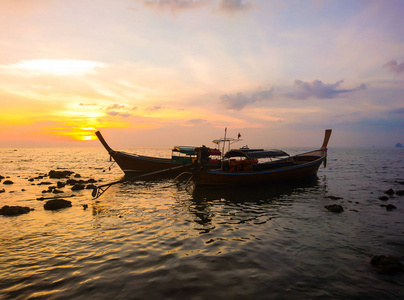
[153, 240]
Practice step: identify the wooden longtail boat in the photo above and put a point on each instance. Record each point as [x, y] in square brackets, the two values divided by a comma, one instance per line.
[245, 167]
[180, 161]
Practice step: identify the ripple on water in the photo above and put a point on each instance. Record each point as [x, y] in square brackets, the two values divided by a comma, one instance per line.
[152, 240]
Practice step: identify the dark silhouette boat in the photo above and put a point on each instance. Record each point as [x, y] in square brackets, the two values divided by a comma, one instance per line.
[248, 167]
[181, 160]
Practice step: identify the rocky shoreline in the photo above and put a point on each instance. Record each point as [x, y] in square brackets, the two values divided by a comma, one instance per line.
[57, 182]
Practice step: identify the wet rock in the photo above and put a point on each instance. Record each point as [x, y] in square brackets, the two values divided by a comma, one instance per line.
[90, 187]
[77, 175]
[8, 182]
[57, 204]
[60, 184]
[2, 191]
[400, 192]
[14, 210]
[334, 208]
[85, 206]
[78, 186]
[31, 179]
[56, 191]
[334, 197]
[1, 177]
[45, 183]
[384, 198]
[389, 192]
[91, 180]
[59, 174]
[390, 207]
[386, 264]
[72, 181]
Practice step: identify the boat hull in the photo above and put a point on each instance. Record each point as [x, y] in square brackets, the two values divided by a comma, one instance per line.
[304, 166]
[138, 164]
[134, 164]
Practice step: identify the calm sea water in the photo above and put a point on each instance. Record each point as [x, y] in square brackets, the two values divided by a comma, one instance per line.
[153, 240]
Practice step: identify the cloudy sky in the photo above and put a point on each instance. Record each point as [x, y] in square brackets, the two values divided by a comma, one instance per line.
[164, 72]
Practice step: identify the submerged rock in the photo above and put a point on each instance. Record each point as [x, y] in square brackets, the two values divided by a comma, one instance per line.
[8, 182]
[2, 191]
[14, 210]
[334, 208]
[389, 192]
[78, 186]
[390, 207]
[61, 184]
[334, 197]
[45, 183]
[384, 198]
[59, 174]
[386, 264]
[57, 204]
[400, 192]
[73, 181]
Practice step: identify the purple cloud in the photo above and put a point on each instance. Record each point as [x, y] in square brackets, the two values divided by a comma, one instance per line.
[117, 110]
[174, 5]
[87, 104]
[398, 111]
[394, 66]
[196, 121]
[317, 89]
[116, 106]
[228, 6]
[115, 113]
[155, 108]
[234, 5]
[239, 101]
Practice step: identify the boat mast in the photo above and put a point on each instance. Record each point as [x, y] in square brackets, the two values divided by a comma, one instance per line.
[224, 141]
[224, 144]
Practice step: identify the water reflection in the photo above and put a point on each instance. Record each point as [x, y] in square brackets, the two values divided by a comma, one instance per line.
[253, 194]
[213, 207]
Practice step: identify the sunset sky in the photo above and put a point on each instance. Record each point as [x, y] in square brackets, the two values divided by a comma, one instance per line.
[166, 72]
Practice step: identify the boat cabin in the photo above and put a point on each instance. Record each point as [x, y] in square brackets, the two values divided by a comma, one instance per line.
[244, 159]
[187, 154]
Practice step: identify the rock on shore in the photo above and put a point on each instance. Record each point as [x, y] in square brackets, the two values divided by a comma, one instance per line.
[57, 204]
[334, 208]
[14, 210]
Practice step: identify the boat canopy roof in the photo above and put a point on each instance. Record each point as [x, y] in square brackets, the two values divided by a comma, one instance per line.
[193, 150]
[185, 150]
[255, 153]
